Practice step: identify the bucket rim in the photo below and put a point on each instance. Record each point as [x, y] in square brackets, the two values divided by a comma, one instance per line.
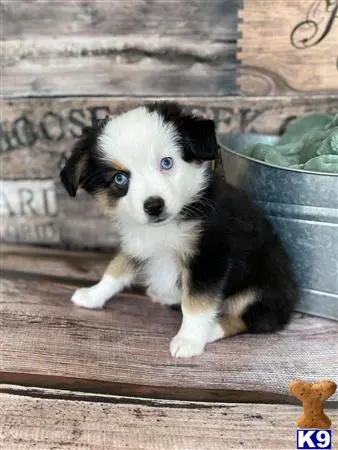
[263, 163]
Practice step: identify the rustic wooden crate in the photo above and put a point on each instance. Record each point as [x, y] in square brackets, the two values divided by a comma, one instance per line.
[288, 47]
[116, 48]
[38, 133]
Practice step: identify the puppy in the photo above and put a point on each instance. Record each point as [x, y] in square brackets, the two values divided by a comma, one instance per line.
[197, 241]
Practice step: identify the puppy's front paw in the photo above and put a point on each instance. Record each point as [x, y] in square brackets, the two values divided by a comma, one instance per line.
[183, 347]
[86, 298]
[155, 298]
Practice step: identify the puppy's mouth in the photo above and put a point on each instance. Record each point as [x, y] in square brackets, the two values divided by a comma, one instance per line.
[161, 220]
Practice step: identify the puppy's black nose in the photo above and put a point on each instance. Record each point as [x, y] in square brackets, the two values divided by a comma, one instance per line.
[153, 206]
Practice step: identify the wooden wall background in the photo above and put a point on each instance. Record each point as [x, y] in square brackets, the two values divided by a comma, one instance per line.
[252, 65]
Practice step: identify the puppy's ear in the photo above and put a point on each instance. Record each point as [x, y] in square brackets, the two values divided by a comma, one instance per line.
[198, 135]
[201, 138]
[170, 111]
[76, 165]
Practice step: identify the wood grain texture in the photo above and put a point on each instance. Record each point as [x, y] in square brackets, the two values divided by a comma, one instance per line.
[196, 18]
[125, 348]
[135, 74]
[114, 48]
[46, 419]
[37, 134]
[288, 47]
[47, 262]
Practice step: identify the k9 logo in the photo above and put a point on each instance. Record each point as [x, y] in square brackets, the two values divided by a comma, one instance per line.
[313, 439]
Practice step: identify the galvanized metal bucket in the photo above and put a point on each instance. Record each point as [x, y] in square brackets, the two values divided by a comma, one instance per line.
[303, 208]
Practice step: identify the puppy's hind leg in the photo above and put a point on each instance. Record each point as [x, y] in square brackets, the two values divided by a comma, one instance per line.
[226, 326]
[230, 321]
[118, 275]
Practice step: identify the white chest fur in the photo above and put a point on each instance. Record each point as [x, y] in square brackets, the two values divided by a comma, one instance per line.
[161, 276]
[145, 241]
[163, 248]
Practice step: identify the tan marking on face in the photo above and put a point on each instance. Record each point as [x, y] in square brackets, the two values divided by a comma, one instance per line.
[106, 202]
[103, 199]
[121, 265]
[118, 166]
[231, 325]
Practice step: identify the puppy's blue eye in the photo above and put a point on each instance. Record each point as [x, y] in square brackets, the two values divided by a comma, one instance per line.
[120, 179]
[166, 163]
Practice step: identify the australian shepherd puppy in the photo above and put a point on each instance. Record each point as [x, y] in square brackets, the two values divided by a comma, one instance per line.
[197, 241]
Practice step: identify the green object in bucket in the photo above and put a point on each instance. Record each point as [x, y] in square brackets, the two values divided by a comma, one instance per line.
[311, 143]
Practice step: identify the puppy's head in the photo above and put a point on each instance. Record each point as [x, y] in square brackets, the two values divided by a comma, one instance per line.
[145, 165]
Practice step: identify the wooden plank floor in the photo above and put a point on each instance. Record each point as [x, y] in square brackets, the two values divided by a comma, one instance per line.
[66, 371]
[44, 418]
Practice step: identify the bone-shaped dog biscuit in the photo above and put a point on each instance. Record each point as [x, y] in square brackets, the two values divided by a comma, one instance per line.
[313, 396]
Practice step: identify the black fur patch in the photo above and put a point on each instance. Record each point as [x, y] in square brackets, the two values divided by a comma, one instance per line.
[85, 168]
[238, 250]
[196, 135]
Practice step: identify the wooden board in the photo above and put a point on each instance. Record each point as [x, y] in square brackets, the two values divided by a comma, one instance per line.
[119, 48]
[43, 130]
[45, 419]
[46, 262]
[40, 132]
[288, 47]
[169, 48]
[74, 378]
[124, 349]
[196, 19]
